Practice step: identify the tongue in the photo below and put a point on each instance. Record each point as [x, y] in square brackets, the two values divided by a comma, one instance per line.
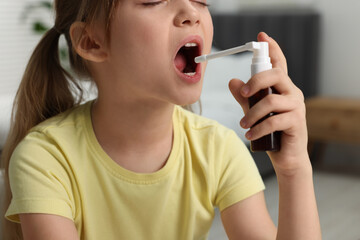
[180, 61]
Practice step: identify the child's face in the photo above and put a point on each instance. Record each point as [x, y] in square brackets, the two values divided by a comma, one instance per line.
[145, 42]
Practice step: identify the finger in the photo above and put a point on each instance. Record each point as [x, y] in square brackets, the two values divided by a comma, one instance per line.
[235, 86]
[282, 122]
[278, 59]
[272, 78]
[270, 104]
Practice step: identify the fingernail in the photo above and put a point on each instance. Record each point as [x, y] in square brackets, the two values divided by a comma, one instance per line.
[245, 90]
[264, 35]
[243, 123]
[248, 135]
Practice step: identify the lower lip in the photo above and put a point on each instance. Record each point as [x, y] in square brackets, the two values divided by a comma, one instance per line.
[190, 79]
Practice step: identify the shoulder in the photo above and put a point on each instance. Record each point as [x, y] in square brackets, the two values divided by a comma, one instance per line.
[64, 129]
[47, 147]
[72, 118]
[209, 139]
[212, 139]
[196, 126]
[48, 139]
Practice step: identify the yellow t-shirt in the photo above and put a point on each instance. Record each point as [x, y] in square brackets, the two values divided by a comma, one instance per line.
[60, 168]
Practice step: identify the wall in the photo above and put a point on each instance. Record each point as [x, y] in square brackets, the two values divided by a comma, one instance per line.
[16, 42]
[236, 5]
[16, 45]
[340, 51]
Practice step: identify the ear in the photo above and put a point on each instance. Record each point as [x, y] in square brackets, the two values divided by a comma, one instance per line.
[89, 44]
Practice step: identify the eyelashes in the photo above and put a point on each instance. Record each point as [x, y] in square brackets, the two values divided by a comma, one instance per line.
[149, 4]
[152, 3]
[203, 3]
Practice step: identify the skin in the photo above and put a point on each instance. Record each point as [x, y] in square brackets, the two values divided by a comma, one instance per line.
[138, 88]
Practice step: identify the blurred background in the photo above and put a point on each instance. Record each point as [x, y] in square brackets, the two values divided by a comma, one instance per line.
[320, 41]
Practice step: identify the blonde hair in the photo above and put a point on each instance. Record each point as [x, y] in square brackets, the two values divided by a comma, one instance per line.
[47, 89]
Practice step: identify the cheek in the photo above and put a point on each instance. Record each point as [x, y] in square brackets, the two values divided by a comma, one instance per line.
[140, 54]
[142, 30]
[142, 39]
[137, 41]
[209, 33]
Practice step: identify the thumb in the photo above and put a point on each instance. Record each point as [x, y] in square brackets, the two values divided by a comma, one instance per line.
[235, 86]
[278, 59]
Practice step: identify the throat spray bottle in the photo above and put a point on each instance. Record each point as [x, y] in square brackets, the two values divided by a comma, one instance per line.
[260, 62]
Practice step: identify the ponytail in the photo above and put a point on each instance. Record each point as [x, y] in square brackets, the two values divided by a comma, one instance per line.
[46, 90]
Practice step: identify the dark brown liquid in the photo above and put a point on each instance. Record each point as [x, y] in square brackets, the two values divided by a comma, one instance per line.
[269, 142]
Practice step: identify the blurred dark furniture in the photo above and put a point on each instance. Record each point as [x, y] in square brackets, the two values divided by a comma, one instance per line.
[296, 31]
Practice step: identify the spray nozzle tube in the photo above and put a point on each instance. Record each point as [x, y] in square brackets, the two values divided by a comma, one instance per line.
[260, 61]
[260, 49]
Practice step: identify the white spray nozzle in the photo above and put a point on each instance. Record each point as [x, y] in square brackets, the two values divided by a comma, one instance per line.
[260, 49]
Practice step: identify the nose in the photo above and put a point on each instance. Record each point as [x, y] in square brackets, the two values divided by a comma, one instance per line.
[187, 14]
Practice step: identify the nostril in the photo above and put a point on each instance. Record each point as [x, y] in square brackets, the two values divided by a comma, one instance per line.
[186, 22]
[187, 17]
[189, 22]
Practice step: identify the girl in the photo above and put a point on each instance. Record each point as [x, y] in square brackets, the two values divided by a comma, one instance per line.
[132, 164]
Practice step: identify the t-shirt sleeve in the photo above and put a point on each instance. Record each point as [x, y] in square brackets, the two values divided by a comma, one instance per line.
[39, 179]
[237, 176]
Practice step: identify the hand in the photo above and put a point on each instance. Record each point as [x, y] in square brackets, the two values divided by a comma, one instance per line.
[288, 104]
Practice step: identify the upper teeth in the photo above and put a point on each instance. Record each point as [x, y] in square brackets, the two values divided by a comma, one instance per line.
[191, 45]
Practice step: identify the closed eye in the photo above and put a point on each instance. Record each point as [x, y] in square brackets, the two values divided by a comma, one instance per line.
[159, 2]
[152, 3]
[202, 3]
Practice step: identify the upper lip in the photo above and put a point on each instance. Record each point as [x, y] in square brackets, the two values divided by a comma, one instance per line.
[191, 39]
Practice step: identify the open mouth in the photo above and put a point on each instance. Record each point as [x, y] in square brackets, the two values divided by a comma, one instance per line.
[184, 60]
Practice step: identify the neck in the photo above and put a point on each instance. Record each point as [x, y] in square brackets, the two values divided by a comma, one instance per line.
[137, 136]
